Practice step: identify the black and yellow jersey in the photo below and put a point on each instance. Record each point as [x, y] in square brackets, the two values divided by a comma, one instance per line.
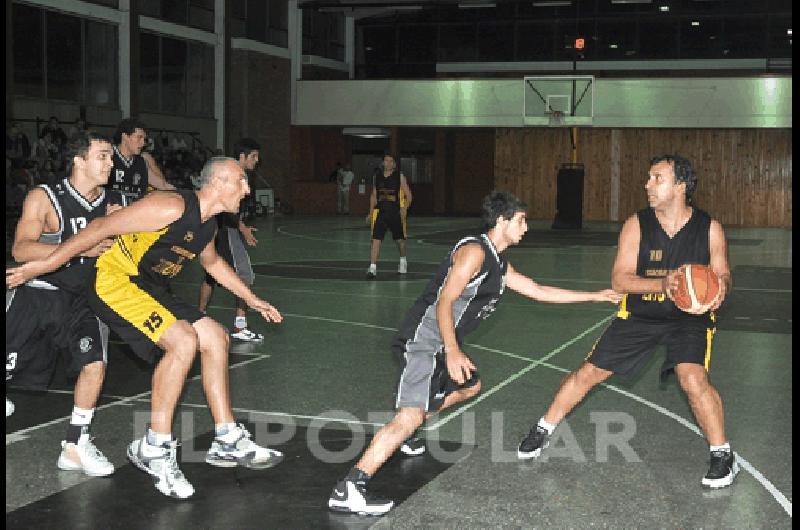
[659, 254]
[156, 257]
[387, 191]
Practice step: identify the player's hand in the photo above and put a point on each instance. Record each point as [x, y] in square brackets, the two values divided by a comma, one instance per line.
[98, 248]
[368, 218]
[459, 366]
[16, 276]
[247, 234]
[670, 282]
[609, 295]
[723, 291]
[111, 208]
[267, 311]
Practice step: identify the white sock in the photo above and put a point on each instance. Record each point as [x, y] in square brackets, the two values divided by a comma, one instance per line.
[724, 447]
[155, 440]
[240, 322]
[373, 267]
[81, 416]
[402, 259]
[226, 432]
[549, 427]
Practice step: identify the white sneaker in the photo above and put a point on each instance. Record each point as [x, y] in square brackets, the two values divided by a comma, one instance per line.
[246, 335]
[9, 407]
[163, 467]
[349, 497]
[403, 267]
[90, 460]
[242, 452]
[372, 271]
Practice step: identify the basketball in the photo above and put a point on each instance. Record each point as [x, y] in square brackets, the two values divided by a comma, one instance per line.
[698, 287]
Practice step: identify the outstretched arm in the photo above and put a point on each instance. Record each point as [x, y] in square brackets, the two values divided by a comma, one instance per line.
[219, 269]
[154, 175]
[555, 295]
[152, 213]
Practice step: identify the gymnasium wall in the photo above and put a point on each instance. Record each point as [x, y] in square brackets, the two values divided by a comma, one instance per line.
[745, 175]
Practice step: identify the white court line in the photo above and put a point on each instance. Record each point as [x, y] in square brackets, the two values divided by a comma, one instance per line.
[22, 434]
[747, 466]
[517, 375]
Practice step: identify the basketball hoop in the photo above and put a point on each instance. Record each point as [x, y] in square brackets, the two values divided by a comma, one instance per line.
[555, 118]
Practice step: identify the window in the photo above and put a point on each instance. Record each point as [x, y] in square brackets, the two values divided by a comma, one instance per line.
[28, 42]
[58, 56]
[168, 67]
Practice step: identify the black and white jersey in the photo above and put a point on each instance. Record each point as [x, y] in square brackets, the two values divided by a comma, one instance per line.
[420, 328]
[128, 176]
[74, 213]
[659, 254]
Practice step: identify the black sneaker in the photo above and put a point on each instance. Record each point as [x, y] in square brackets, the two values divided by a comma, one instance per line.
[350, 497]
[722, 470]
[413, 446]
[536, 440]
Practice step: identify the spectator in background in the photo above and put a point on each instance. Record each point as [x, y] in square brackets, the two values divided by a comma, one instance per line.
[18, 147]
[43, 150]
[335, 173]
[78, 127]
[57, 137]
[344, 180]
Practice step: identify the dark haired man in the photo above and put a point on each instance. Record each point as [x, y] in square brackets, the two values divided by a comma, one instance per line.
[232, 234]
[157, 237]
[135, 171]
[50, 315]
[653, 243]
[437, 374]
[388, 204]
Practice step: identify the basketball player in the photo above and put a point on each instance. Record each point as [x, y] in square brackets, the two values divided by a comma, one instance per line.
[50, 314]
[158, 235]
[232, 234]
[388, 204]
[653, 243]
[437, 373]
[135, 172]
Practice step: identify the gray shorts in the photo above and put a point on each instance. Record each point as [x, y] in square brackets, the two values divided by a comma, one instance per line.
[425, 382]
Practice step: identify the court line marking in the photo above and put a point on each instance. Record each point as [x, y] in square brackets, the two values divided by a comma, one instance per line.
[776, 494]
[22, 434]
[533, 364]
[746, 465]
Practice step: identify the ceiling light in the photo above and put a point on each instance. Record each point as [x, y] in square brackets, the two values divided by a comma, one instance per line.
[613, 46]
[663, 9]
[789, 31]
[695, 23]
[552, 3]
[366, 132]
[472, 5]
[631, 1]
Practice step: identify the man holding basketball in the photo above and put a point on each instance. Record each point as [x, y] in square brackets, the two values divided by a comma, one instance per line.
[653, 244]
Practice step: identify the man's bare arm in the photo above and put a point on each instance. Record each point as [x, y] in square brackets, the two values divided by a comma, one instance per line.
[154, 175]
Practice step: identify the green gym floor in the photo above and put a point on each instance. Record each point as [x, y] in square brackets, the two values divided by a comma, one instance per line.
[629, 456]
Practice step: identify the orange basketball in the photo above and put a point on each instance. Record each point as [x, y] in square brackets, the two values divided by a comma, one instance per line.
[698, 287]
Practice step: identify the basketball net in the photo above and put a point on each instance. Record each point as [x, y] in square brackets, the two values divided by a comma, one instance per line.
[555, 118]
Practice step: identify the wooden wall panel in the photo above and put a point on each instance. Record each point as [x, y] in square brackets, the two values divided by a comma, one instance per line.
[473, 169]
[744, 175]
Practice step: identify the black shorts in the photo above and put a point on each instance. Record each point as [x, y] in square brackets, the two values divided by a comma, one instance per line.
[385, 220]
[137, 311]
[425, 382]
[230, 245]
[627, 344]
[44, 323]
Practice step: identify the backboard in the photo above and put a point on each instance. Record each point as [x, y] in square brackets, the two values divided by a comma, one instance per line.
[558, 100]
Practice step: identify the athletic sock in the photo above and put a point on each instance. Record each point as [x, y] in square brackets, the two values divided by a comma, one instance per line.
[155, 439]
[240, 322]
[724, 447]
[226, 432]
[359, 477]
[80, 420]
[549, 427]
